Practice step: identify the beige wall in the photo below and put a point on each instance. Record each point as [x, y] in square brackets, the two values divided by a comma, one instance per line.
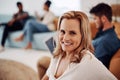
[86, 5]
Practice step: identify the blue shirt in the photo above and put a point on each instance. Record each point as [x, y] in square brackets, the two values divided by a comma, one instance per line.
[106, 43]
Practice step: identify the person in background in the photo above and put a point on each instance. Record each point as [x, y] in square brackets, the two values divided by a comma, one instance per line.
[16, 23]
[44, 24]
[73, 57]
[106, 42]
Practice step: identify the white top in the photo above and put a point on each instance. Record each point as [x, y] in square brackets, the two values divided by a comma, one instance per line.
[48, 20]
[90, 68]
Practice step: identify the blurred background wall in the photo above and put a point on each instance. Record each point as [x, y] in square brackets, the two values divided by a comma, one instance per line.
[58, 6]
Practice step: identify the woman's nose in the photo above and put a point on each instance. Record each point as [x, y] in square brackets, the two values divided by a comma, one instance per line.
[66, 37]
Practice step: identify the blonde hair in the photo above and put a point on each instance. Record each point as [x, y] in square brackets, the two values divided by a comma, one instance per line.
[85, 33]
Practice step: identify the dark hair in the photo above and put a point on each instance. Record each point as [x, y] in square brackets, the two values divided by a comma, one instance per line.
[19, 3]
[48, 3]
[102, 9]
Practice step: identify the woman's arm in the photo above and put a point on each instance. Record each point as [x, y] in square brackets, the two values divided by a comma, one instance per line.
[45, 77]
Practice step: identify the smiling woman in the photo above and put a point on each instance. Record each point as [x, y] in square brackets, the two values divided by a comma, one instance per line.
[73, 57]
[69, 36]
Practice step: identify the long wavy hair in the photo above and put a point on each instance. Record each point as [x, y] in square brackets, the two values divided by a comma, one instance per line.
[85, 43]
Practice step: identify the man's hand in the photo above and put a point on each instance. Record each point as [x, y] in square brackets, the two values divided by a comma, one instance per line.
[11, 22]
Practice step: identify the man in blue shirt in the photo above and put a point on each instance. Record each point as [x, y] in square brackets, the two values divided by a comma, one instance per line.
[106, 42]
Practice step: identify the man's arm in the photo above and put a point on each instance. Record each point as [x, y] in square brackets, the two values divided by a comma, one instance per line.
[102, 52]
[18, 18]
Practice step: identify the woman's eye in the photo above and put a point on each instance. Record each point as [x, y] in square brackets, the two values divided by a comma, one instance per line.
[62, 31]
[72, 33]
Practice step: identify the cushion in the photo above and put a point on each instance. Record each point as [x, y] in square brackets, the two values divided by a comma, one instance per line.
[12, 70]
[44, 62]
[42, 66]
[115, 64]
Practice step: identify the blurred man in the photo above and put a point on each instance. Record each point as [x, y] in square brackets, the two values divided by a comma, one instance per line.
[106, 42]
[44, 24]
[16, 23]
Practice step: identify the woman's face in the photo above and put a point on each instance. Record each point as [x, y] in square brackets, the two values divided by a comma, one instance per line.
[69, 34]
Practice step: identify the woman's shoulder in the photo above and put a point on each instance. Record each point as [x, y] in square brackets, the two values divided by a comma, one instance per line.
[92, 64]
[89, 57]
[87, 54]
[55, 59]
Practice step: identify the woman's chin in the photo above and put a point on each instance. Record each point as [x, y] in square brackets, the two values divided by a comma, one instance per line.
[66, 50]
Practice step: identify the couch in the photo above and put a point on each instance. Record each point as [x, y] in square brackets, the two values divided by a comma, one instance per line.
[38, 38]
[115, 64]
[39, 43]
[13, 70]
[43, 63]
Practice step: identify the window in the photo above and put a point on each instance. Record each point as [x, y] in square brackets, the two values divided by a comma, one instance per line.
[61, 6]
